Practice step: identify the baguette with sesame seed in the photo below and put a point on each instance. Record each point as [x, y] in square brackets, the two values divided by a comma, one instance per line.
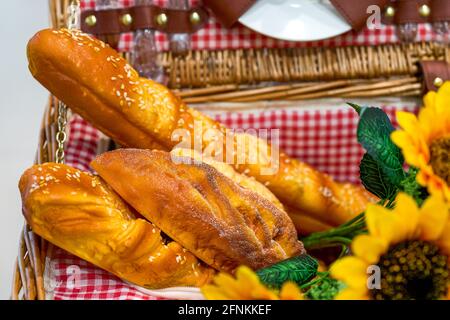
[96, 82]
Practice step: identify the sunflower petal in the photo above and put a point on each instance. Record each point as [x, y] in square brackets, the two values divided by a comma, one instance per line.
[433, 217]
[229, 286]
[290, 291]
[414, 136]
[265, 294]
[352, 294]
[430, 99]
[407, 212]
[429, 123]
[446, 192]
[442, 98]
[407, 121]
[246, 277]
[212, 292]
[352, 271]
[369, 248]
[250, 285]
[246, 286]
[444, 241]
[433, 183]
[385, 224]
[407, 142]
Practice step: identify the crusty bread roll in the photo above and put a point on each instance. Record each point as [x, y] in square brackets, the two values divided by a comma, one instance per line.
[308, 224]
[94, 81]
[220, 222]
[81, 214]
[229, 172]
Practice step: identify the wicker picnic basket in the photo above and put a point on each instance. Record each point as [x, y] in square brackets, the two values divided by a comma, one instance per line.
[246, 77]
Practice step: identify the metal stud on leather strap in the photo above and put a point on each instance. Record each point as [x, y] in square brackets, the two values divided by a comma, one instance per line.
[424, 10]
[390, 12]
[91, 20]
[126, 19]
[438, 82]
[195, 18]
[162, 19]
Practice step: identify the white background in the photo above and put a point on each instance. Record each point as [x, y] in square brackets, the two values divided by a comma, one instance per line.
[22, 101]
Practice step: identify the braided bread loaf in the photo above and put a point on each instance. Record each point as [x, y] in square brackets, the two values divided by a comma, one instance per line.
[81, 214]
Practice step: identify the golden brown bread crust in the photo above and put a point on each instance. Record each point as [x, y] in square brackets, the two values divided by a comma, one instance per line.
[222, 223]
[81, 214]
[56, 59]
[307, 222]
[94, 81]
[299, 218]
[229, 172]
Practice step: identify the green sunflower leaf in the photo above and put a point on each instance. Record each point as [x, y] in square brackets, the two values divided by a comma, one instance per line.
[356, 107]
[298, 269]
[374, 134]
[374, 179]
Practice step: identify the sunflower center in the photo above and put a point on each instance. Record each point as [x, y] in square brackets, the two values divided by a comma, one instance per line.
[412, 270]
[440, 158]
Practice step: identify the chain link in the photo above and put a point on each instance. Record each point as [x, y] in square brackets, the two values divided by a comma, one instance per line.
[61, 135]
[73, 19]
[73, 22]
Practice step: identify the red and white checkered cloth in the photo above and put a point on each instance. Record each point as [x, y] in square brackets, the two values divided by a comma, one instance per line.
[215, 37]
[71, 278]
[323, 137]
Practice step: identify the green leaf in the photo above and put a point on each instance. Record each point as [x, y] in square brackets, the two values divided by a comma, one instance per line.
[374, 179]
[326, 289]
[374, 130]
[356, 107]
[410, 186]
[297, 269]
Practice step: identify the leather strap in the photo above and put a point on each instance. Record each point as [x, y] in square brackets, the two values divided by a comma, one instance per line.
[144, 17]
[228, 11]
[440, 10]
[432, 70]
[407, 11]
[355, 12]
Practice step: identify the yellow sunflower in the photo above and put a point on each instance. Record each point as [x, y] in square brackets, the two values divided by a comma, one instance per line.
[425, 141]
[247, 286]
[409, 246]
